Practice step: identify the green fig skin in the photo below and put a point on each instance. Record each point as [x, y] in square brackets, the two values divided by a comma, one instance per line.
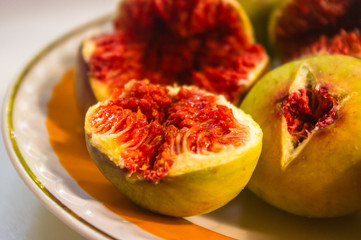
[184, 195]
[324, 180]
[258, 12]
[83, 91]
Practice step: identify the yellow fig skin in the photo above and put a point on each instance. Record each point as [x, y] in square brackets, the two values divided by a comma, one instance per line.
[189, 194]
[324, 180]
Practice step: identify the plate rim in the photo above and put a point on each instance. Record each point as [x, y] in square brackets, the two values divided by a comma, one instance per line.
[52, 203]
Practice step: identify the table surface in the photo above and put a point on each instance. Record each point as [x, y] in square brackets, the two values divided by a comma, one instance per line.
[25, 28]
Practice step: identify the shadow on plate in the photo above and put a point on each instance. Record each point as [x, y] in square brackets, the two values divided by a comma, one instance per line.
[259, 218]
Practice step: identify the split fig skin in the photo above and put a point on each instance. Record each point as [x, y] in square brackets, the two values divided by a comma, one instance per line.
[309, 111]
[173, 159]
[209, 44]
[300, 29]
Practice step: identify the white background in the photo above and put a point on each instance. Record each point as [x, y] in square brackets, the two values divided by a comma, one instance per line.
[27, 26]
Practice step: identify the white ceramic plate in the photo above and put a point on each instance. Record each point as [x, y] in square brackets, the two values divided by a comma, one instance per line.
[27, 141]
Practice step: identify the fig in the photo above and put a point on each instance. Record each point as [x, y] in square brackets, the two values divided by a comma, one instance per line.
[309, 111]
[205, 43]
[301, 28]
[177, 151]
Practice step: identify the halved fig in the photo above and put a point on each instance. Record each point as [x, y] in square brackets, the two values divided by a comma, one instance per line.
[301, 28]
[178, 151]
[309, 111]
[200, 42]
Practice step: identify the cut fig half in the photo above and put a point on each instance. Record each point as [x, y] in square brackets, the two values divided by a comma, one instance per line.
[309, 111]
[205, 43]
[344, 43]
[178, 151]
[301, 29]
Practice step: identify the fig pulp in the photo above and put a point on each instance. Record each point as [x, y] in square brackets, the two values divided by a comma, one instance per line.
[311, 160]
[344, 43]
[306, 109]
[306, 28]
[198, 42]
[175, 151]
